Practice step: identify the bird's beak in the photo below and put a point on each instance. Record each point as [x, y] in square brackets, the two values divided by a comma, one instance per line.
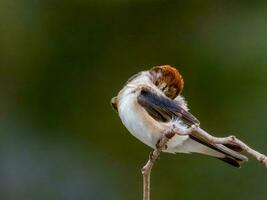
[114, 103]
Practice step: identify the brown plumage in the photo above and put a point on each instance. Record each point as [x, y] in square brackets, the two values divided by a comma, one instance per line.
[168, 79]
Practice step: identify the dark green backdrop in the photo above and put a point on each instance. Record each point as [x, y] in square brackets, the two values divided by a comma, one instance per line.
[62, 61]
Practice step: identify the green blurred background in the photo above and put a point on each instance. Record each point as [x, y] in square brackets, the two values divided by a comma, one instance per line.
[62, 61]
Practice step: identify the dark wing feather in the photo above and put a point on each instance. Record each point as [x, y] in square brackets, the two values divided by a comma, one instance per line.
[164, 109]
[221, 148]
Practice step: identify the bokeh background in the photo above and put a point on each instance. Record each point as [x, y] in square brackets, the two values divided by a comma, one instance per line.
[62, 61]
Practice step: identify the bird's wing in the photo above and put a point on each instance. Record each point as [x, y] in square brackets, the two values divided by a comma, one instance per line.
[164, 109]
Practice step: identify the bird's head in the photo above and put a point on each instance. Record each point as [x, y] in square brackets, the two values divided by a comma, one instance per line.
[167, 79]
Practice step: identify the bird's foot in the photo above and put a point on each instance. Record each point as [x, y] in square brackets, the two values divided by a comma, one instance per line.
[182, 131]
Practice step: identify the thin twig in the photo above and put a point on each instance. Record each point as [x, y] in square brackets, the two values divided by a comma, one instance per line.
[197, 131]
[194, 131]
[146, 170]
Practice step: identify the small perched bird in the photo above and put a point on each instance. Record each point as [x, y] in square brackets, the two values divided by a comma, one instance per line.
[150, 103]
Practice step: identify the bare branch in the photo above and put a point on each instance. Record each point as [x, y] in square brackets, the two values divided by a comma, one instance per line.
[197, 131]
[146, 170]
[194, 131]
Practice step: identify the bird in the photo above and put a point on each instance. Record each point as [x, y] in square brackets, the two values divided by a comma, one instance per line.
[150, 103]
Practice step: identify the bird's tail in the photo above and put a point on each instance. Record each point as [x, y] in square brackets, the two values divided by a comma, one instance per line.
[228, 154]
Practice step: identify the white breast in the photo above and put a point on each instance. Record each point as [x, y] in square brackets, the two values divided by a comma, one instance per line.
[142, 126]
[132, 120]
